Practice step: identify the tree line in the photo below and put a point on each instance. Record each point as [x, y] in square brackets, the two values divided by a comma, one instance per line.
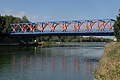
[71, 39]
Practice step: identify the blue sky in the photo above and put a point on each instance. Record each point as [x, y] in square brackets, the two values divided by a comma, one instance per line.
[54, 10]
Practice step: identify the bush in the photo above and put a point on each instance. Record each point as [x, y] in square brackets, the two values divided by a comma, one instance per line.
[117, 27]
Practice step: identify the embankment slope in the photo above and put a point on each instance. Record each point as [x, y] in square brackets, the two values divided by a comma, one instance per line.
[109, 66]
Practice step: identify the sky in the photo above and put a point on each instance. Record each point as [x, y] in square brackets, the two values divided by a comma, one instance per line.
[56, 10]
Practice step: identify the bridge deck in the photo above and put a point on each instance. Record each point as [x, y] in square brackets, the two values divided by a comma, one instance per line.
[110, 33]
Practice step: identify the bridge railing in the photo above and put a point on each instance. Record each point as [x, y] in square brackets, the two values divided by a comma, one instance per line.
[65, 26]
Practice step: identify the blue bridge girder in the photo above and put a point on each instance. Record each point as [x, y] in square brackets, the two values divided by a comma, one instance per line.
[63, 34]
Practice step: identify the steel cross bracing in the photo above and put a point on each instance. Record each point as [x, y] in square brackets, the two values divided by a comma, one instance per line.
[64, 27]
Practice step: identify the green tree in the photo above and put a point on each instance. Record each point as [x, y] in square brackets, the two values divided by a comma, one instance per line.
[117, 27]
[24, 19]
[17, 20]
[2, 23]
[6, 20]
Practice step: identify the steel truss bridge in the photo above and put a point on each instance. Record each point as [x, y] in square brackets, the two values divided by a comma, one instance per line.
[96, 27]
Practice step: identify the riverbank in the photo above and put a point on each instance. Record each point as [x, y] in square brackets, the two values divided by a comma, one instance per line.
[109, 66]
[72, 44]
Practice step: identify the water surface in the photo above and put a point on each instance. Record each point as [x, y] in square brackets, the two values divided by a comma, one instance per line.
[56, 63]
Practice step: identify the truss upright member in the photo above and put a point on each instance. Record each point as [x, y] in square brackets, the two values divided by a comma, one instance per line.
[77, 26]
[34, 27]
[110, 25]
[64, 26]
[103, 25]
[31, 27]
[86, 26]
[14, 27]
[52, 26]
[23, 27]
[42, 26]
[91, 25]
[74, 27]
[98, 25]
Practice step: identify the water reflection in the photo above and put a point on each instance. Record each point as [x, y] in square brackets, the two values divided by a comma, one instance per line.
[28, 60]
[76, 64]
[47, 64]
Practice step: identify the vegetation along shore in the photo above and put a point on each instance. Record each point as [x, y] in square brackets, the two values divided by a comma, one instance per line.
[109, 67]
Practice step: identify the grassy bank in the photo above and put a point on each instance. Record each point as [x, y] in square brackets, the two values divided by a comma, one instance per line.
[72, 44]
[109, 67]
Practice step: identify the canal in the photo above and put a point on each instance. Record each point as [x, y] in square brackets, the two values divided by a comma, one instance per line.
[55, 63]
